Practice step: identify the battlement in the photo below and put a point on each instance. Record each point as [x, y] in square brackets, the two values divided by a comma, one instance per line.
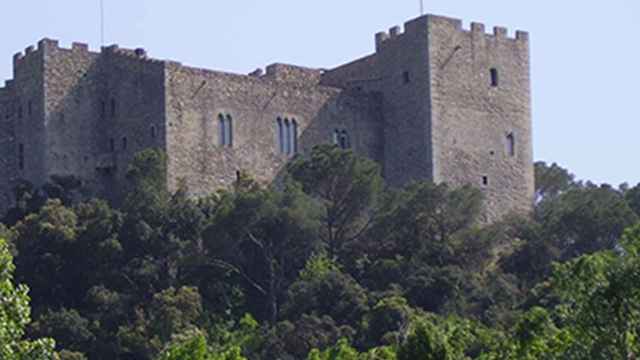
[138, 54]
[419, 24]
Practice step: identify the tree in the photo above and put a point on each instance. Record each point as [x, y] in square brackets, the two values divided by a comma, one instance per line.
[551, 180]
[601, 300]
[346, 185]
[195, 348]
[323, 289]
[586, 219]
[632, 196]
[15, 316]
[264, 237]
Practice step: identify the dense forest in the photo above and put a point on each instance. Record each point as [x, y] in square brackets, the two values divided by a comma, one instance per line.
[328, 264]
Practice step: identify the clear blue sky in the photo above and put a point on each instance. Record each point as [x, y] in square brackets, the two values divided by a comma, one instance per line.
[585, 54]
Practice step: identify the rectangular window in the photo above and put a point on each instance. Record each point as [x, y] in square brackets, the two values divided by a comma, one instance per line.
[511, 144]
[30, 108]
[406, 78]
[494, 77]
[485, 180]
[124, 143]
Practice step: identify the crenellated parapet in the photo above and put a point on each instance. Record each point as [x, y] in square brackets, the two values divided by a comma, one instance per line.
[421, 24]
[138, 54]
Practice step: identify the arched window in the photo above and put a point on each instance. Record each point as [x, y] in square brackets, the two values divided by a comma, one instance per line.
[511, 144]
[280, 135]
[221, 130]
[294, 136]
[287, 136]
[229, 131]
[225, 130]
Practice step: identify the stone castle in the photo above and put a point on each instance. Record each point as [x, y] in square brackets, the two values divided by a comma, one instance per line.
[434, 102]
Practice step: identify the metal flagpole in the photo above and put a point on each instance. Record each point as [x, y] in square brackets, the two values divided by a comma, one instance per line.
[421, 7]
[102, 22]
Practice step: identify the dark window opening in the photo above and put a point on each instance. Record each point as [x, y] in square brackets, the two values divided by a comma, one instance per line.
[153, 132]
[103, 109]
[229, 132]
[294, 136]
[345, 143]
[225, 130]
[112, 145]
[511, 144]
[406, 78]
[485, 180]
[280, 126]
[287, 136]
[221, 130]
[30, 108]
[21, 156]
[124, 143]
[114, 108]
[494, 77]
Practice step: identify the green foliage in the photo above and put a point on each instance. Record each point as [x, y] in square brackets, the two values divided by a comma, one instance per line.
[195, 348]
[586, 219]
[332, 266]
[551, 180]
[346, 185]
[15, 315]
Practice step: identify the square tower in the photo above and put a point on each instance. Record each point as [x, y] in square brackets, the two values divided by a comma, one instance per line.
[457, 109]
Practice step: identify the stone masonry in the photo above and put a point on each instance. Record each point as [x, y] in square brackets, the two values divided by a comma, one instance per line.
[434, 102]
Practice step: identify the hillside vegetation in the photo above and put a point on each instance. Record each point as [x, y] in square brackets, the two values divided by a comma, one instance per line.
[333, 265]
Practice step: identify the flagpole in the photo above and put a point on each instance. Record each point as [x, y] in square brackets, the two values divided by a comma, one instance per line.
[421, 7]
[102, 22]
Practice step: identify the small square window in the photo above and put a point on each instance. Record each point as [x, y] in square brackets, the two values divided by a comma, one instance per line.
[406, 77]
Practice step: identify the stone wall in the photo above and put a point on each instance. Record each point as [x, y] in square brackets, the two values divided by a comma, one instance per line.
[8, 150]
[472, 119]
[100, 108]
[71, 82]
[196, 97]
[25, 125]
[360, 74]
[403, 62]
[137, 86]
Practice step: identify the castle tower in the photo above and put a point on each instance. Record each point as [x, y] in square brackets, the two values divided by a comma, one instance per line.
[458, 109]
